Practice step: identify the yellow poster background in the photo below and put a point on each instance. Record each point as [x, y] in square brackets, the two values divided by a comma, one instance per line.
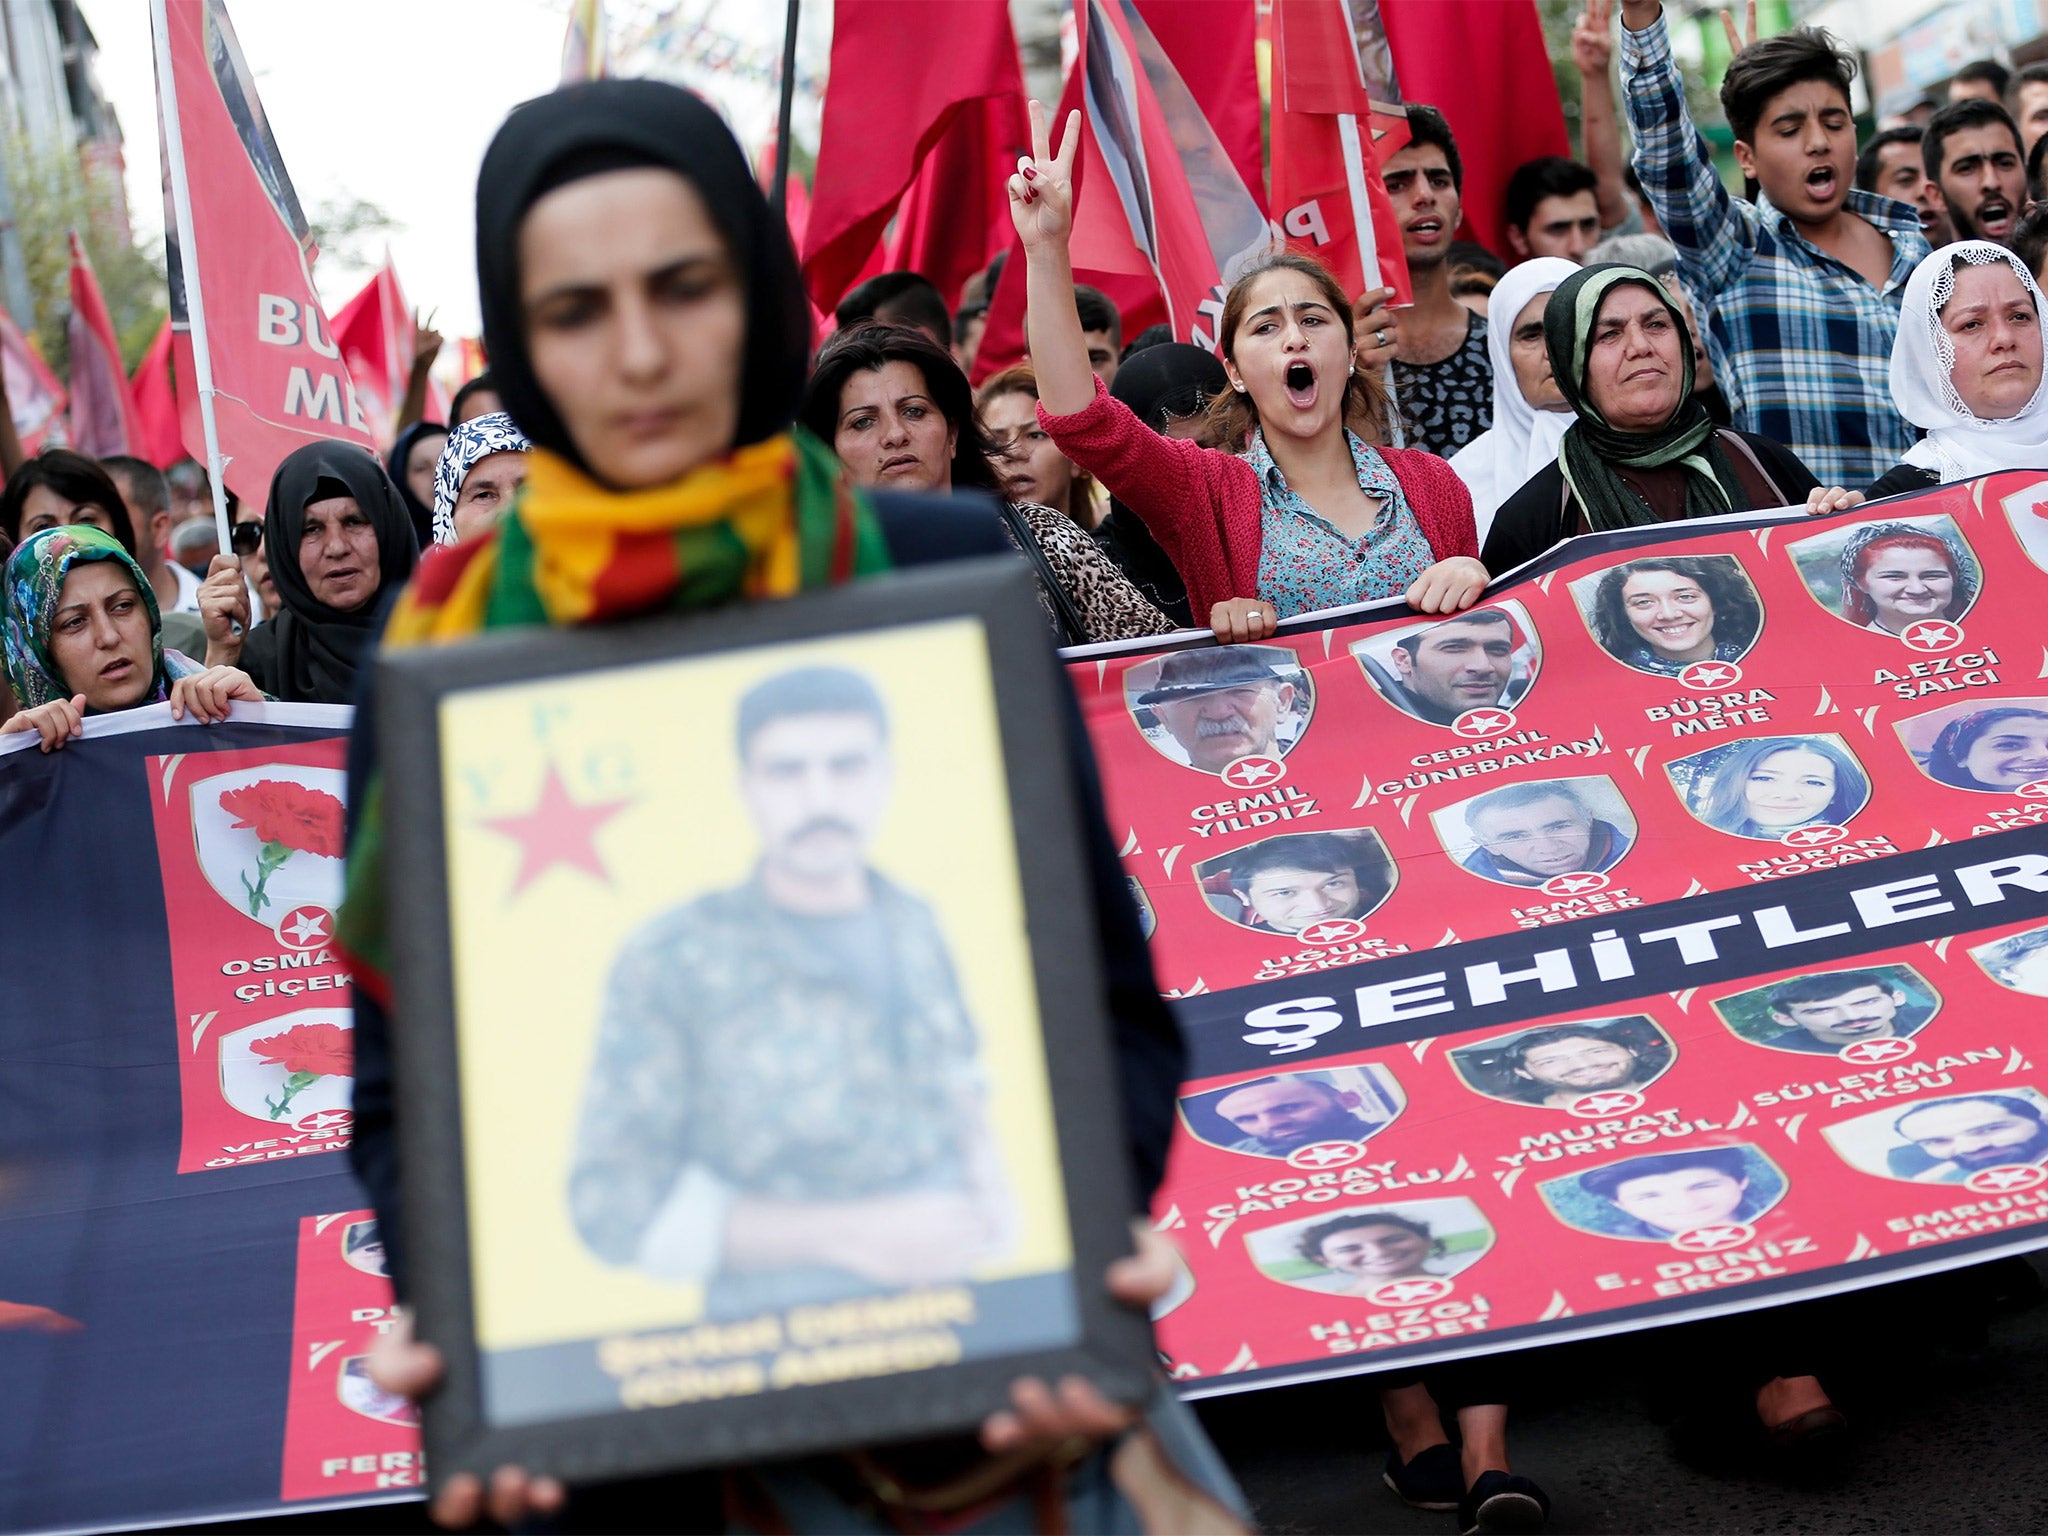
[530, 968]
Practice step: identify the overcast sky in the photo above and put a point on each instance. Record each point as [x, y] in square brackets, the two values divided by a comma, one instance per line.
[394, 101]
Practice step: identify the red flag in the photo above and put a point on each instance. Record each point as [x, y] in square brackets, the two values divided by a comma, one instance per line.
[239, 253]
[1186, 209]
[1214, 47]
[102, 413]
[1483, 64]
[956, 215]
[895, 86]
[1333, 126]
[1102, 253]
[34, 396]
[374, 332]
[158, 438]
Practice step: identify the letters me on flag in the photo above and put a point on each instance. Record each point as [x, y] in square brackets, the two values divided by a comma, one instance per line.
[1336, 118]
[103, 420]
[1188, 210]
[278, 378]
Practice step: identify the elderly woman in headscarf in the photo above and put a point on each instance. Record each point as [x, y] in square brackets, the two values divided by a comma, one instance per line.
[1641, 448]
[482, 466]
[411, 465]
[1966, 370]
[647, 328]
[83, 637]
[337, 536]
[1529, 411]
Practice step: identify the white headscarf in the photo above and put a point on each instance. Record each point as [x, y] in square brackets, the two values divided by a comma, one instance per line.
[468, 444]
[1522, 439]
[1959, 445]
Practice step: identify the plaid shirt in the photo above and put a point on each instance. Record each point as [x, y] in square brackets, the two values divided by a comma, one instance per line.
[1801, 343]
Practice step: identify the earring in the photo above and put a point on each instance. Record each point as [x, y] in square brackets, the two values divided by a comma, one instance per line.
[1238, 387]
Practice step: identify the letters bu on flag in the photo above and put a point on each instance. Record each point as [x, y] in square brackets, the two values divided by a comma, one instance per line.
[278, 377]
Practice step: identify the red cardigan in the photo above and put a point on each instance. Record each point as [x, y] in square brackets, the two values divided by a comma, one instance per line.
[1202, 504]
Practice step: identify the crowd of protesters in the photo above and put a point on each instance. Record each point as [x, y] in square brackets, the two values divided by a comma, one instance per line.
[1650, 347]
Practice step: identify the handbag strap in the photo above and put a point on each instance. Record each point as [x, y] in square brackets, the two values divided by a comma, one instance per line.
[1072, 630]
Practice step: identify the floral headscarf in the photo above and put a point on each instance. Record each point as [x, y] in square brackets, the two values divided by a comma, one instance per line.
[32, 587]
[475, 440]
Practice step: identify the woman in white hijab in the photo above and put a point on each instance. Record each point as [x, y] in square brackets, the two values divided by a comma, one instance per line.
[1967, 369]
[1529, 414]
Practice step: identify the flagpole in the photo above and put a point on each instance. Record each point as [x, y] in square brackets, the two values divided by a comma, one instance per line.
[778, 195]
[188, 265]
[1368, 243]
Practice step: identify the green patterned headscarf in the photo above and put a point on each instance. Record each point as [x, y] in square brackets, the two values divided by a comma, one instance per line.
[1591, 448]
[31, 588]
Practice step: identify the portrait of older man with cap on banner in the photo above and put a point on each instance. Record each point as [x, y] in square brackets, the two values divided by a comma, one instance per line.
[1206, 709]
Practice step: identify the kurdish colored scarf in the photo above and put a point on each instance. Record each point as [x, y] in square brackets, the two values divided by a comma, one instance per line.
[29, 595]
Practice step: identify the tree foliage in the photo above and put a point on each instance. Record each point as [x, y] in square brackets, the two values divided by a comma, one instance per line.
[55, 193]
[349, 230]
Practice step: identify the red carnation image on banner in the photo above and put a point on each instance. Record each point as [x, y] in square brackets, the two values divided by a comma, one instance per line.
[270, 839]
[307, 1052]
[289, 818]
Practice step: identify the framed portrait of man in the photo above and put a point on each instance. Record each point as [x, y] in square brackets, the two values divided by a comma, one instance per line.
[755, 1080]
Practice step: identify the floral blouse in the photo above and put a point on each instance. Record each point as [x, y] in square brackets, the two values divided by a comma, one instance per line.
[1305, 564]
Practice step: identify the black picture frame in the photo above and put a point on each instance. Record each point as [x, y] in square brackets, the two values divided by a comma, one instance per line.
[1113, 1347]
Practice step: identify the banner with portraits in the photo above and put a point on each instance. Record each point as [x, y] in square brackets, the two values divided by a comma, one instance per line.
[189, 1284]
[1665, 935]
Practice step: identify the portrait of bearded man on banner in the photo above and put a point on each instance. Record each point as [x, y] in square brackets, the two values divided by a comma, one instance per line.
[786, 1102]
[1483, 658]
[1206, 709]
[1281, 1113]
[1556, 1065]
[1948, 1140]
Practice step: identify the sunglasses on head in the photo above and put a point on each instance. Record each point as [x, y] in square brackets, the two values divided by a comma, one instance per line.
[245, 538]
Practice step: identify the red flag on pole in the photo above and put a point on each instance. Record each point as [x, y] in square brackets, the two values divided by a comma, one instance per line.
[250, 332]
[158, 438]
[34, 396]
[895, 87]
[1102, 251]
[1484, 65]
[374, 332]
[956, 215]
[1336, 119]
[1186, 209]
[1214, 47]
[102, 413]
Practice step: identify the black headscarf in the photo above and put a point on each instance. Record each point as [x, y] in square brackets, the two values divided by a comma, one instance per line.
[421, 513]
[1591, 447]
[1169, 378]
[612, 125]
[308, 653]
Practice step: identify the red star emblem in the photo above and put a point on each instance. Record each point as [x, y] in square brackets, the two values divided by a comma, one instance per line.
[1731, 1234]
[1407, 1293]
[1710, 674]
[325, 1120]
[1814, 837]
[557, 830]
[1593, 1105]
[305, 928]
[1336, 930]
[1325, 1154]
[1574, 885]
[2038, 790]
[1484, 722]
[1997, 1181]
[1865, 1051]
[1251, 772]
[1933, 635]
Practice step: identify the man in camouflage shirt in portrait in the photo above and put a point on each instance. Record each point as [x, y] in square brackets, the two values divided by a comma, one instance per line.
[786, 1102]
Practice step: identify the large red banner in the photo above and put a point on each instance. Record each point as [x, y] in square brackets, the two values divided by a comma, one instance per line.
[278, 377]
[1666, 934]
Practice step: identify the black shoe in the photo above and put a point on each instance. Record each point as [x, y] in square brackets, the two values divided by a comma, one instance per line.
[1433, 1480]
[1502, 1502]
